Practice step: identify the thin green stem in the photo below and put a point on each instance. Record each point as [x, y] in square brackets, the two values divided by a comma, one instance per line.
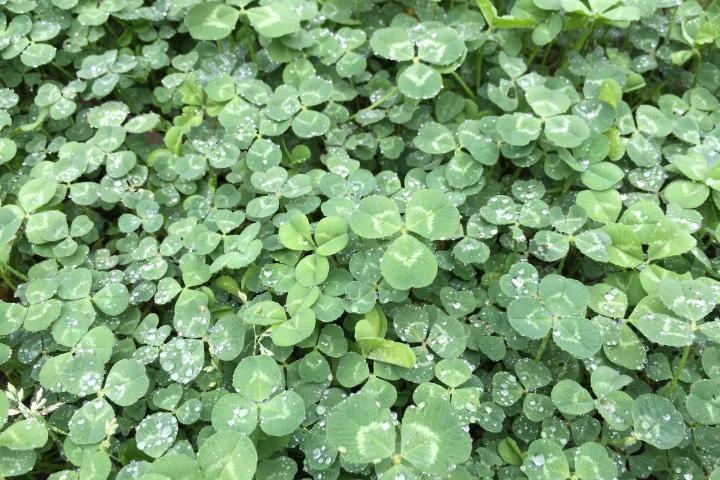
[533, 54]
[671, 25]
[580, 44]
[19, 275]
[62, 70]
[373, 106]
[548, 48]
[11, 285]
[478, 67]
[698, 64]
[212, 181]
[464, 85]
[543, 346]
[284, 149]
[678, 371]
[250, 40]
[561, 265]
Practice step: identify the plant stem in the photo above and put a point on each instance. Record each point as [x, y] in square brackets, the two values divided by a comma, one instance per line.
[250, 40]
[561, 265]
[7, 280]
[15, 272]
[478, 67]
[373, 106]
[580, 44]
[671, 24]
[543, 345]
[464, 85]
[548, 47]
[698, 64]
[678, 371]
[533, 54]
[62, 70]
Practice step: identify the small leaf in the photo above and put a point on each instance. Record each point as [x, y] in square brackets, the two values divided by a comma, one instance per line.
[408, 263]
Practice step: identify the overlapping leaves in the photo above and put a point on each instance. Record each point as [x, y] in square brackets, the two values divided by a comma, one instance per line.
[288, 238]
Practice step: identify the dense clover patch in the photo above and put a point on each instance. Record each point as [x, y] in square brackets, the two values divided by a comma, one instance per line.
[333, 239]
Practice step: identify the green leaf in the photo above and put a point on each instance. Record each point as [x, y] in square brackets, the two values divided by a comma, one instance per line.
[690, 299]
[563, 296]
[126, 383]
[571, 398]
[36, 193]
[429, 213]
[234, 412]
[419, 81]
[566, 131]
[545, 461]
[24, 435]
[546, 102]
[702, 401]
[331, 235]
[657, 422]
[665, 330]
[228, 455]
[192, 315]
[89, 424]
[112, 299]
[592, 462]
[156, 433]
[577, 336]
[211, 20]
[257, 377]
[38, 54]
[282, 414]
[518, 129]
[375, 217]
[529, 317]
[435, 138]
[408, 263]
[625, 250]
[295, 232]
[392, 44]
[433, 438]
[652, 121]
[309, 123]
[602, 176]
[312, 270]
[394, 353]
[685, 193]
[274, 21]
[299, 327]
[360, 431]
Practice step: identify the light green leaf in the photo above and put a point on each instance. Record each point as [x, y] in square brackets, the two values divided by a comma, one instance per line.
[360, 431]
[433, 438]
[274, 21]
[566, 131]
[518, 129]
[375, 217]
[419, 81]
[126, 382]
[408, 263]
[228, 455]
[429, 213]
[282, 414]
[657, 422]
[257, 377]
[211, 20]
[26, 434]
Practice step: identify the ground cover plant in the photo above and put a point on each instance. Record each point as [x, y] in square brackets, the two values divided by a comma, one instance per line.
[338, 239]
